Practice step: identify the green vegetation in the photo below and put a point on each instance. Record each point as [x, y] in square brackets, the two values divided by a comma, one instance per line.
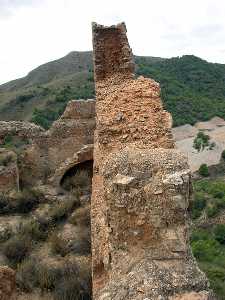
[47, 239]
[6, 158]
[223, 155]
[203, 170]
[54, 108]
[209, 197]
[210, 253]
[192, 89]
[22, 202]
[17, 248]
[202, 141]
[66, 281]
[208, 243]
[63, 209]
[15, 142]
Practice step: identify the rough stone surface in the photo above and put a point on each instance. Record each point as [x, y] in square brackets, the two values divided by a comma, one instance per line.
[141, 186]
[47, 155]
[19, 128]
[7, 283]
[68, 142]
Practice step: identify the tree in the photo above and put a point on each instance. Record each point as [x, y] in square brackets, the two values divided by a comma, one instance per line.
[223, 155]
[202, 141]
[219, 233]
[203, 170]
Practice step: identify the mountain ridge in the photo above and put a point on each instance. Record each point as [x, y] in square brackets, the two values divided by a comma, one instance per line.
[192, 88]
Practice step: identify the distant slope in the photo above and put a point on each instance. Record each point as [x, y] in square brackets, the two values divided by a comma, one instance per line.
[192, 89]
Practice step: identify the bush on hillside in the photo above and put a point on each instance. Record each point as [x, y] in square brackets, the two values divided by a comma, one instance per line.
[219, 232]
[26, 275]
[201, 141]
[61, 210]
[212, 211]
[33, 229]
[23, 202]
[198, 204]
[17, 248]
[58, 245]
[81, 216]
[211, 258]
[223, 155]
[203, 170]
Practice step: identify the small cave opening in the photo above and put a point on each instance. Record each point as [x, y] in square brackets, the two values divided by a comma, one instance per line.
[78, 179]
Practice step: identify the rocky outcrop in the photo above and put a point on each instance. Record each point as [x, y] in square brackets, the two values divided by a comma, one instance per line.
[7, 283]
[141, 186]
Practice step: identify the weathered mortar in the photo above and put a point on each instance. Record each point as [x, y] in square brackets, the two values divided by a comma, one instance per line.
[141, 186]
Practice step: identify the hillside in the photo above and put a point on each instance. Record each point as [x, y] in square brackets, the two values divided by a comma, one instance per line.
[192, 89]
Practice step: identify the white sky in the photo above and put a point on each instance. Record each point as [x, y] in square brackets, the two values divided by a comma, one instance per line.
[33, 32]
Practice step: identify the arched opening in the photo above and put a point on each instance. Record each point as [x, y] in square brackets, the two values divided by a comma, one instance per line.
[78, 179]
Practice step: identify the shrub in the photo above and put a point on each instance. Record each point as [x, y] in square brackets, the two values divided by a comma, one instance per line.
[62, 209]
[48, 276]
[82, 244]
[4, 202]
[200, 234]
[219, 233]
[58, 245]
[79, 180]
[212, 210]
[74, 284]
[203, 170]
[26, 276]
[32, 274]
[7, 158]
[216, 276]
[26, 200]
[22, 202]
[33, 229]
[81, 217]
[223, 154]
[220, 203]
[8, 141]
[205, 249]
[71, 288]
[202, 141]
[17, 248]
[198, 204]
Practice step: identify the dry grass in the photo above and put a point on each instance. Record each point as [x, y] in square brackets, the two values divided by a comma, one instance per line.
[58, 245]
[33, 296]
[61, 210]
[81, 216]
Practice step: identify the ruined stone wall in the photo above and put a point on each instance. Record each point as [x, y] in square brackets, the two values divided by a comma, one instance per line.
[68, 142]
[45, 156]
[141, 186]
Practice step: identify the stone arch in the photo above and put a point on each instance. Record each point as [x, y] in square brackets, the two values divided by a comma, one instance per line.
[83, 155]
[86, 166]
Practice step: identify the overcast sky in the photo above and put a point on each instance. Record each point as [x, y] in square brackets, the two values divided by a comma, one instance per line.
[33, 32]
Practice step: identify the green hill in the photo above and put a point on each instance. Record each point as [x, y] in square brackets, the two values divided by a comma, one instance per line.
[192, 89]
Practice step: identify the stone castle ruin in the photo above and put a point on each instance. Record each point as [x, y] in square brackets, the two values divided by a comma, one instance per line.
[141, 186]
